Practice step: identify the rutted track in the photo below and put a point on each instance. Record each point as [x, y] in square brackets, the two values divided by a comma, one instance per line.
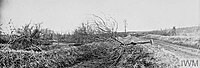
[178, 50]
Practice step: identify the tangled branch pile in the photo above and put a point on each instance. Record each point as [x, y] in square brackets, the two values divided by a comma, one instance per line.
[91, 55]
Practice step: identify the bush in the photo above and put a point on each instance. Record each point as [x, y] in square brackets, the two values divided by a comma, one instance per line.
[24, 37]
[4, 39]
[29, 37]
[27, 59]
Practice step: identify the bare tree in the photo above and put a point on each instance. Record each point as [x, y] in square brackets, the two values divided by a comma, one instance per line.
[109, 25]
[106, 25]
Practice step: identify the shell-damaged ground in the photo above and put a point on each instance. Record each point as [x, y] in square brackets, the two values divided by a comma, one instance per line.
[167, 53]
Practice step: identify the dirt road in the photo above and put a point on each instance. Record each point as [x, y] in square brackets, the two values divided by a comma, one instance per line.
[178, 50]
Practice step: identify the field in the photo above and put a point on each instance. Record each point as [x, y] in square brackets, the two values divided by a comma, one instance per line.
[188, 37]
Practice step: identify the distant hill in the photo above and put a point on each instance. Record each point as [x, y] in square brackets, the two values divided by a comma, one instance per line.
[189, 31]
[183, 31]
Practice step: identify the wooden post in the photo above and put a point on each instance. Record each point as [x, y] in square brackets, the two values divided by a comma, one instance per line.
[174, 31]
[125, 26]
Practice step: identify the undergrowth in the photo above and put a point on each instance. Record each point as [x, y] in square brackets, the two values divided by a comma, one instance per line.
[92, 55]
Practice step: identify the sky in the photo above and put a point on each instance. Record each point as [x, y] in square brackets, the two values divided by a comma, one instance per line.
[67, 15]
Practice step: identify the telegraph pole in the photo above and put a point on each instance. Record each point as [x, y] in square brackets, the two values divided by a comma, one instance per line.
[125, 26]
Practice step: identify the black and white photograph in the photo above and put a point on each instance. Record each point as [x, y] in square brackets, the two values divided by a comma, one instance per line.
[99, 33]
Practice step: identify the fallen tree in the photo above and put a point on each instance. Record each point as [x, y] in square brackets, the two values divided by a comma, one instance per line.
[109, 25]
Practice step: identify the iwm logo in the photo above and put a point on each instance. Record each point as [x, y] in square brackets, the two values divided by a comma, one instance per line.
[189, 63]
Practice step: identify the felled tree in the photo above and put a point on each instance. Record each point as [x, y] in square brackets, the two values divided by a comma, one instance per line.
[109, 25]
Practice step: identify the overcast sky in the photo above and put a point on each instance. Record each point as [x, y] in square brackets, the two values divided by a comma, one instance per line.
[66, 15]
